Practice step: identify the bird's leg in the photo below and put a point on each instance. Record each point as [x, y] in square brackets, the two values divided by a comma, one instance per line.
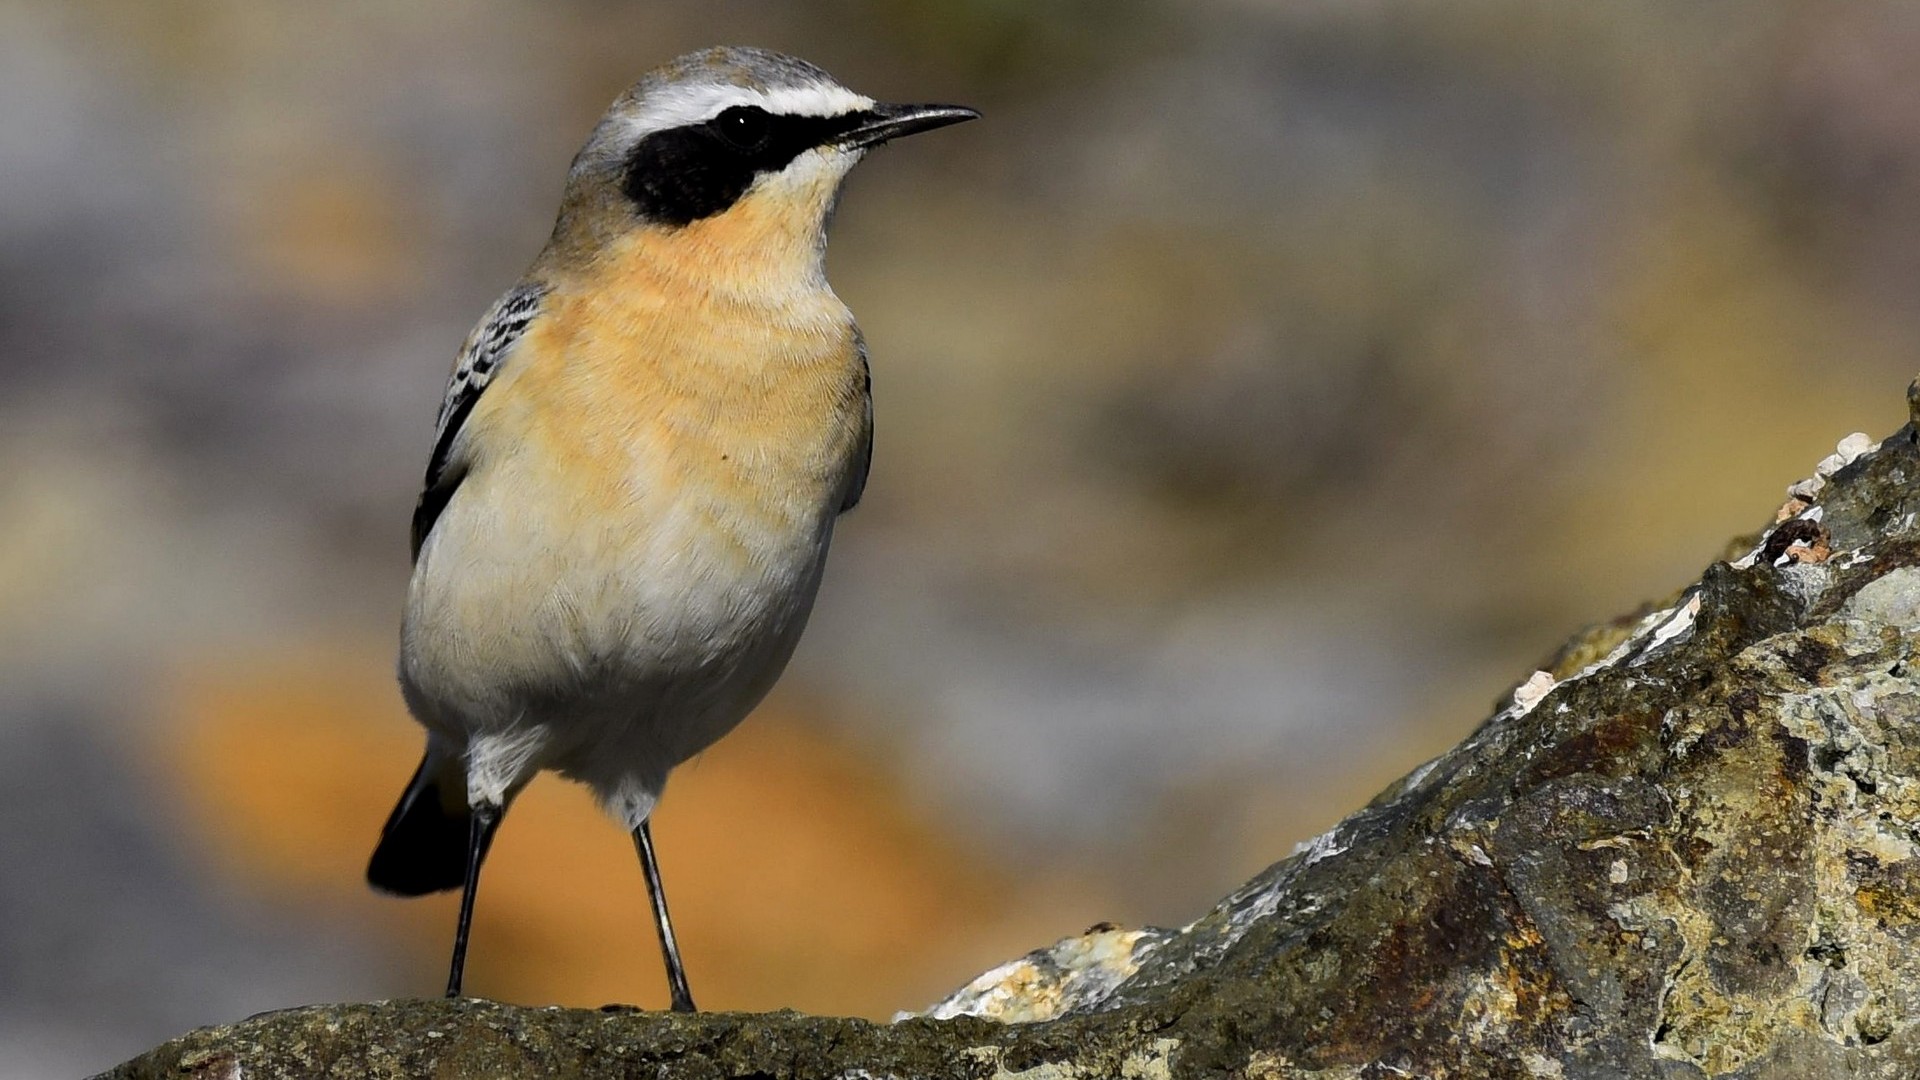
[486, 819]
[676, 973]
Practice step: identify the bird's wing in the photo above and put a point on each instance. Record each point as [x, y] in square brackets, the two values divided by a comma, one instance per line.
[486, 349]
[863, 454]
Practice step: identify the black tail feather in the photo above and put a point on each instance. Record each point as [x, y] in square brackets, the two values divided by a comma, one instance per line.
[423, 848]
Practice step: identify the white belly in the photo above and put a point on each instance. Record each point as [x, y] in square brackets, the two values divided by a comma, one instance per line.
[610, 649]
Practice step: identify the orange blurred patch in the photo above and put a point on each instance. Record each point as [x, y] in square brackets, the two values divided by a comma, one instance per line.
[798, 874]
[326, 227]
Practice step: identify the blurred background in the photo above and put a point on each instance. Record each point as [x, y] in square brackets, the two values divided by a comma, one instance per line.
[1262, 390]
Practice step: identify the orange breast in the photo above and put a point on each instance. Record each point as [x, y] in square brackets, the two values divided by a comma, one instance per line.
[654, 386]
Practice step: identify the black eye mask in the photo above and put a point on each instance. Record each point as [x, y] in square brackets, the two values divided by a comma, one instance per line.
[683, 174]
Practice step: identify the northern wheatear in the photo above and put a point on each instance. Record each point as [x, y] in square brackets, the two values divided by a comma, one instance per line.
[638, 464]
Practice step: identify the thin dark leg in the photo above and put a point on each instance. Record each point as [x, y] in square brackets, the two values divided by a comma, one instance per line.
[676, 973]
[479, 839]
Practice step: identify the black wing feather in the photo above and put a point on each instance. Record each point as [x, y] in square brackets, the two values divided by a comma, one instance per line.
[857, 481]
[480, 358]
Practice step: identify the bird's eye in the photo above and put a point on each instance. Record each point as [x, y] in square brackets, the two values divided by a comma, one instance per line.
[743, 127]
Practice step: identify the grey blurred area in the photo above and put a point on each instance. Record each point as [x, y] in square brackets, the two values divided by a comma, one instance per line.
[1261, 390]
[108, 936]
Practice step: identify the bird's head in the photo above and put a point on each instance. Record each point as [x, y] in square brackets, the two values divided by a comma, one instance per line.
[734, 153]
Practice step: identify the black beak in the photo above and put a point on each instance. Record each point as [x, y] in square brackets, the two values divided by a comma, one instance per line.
[884, 122]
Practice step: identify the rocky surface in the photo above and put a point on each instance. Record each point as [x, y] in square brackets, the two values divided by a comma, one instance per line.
[1690, 846]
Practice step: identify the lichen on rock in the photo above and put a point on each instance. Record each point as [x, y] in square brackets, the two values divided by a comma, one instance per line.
[1688, 847]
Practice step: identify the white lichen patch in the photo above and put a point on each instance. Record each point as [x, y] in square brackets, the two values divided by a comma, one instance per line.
[1260, 898]
[1324, 846]
[1806, 581]
[1541, 1067]
[1846, 729]
[1532, 692]
[1414, 780]
[1805, 491]
[1893, 599]
[1850, 449]
[1676, 627]
[1151, 1062]
[1074, 973]
[1656, 628]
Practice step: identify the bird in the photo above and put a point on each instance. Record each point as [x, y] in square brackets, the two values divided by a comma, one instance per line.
[637, 466]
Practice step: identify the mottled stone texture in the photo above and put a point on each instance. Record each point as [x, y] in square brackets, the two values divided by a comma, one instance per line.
[1692, 848]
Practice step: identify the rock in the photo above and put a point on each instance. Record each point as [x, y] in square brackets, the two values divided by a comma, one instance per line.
[1690, 847]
